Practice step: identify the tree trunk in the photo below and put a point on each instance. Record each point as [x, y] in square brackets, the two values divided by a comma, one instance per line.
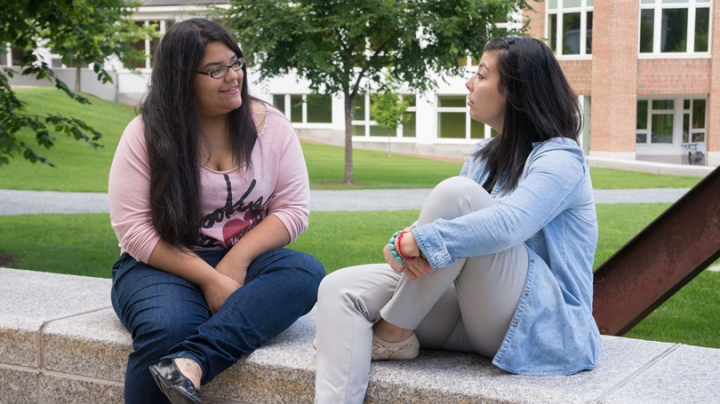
[78, 76]
[348, 139]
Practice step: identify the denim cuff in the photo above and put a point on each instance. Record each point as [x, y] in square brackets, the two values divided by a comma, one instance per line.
[432, 245]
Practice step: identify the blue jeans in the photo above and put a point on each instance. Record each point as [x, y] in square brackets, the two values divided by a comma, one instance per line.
[169, 318]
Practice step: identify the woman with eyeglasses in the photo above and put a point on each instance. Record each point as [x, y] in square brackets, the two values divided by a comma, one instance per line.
[206, 187]
[499, 262]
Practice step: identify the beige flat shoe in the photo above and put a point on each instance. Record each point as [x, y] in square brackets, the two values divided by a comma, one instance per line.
[395, 351]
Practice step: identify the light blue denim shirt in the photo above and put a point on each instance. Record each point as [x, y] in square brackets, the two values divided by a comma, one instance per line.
[552, 211]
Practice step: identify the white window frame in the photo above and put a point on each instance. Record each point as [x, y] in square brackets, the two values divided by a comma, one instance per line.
[678, 112]
[288, 111]
[659, 6]
[367, 123]
[468, 121]
[560, 10]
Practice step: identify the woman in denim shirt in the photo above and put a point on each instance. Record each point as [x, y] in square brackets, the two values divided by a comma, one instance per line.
[499, 262]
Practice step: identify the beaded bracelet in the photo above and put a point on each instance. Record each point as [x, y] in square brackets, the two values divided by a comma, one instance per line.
[391, 245]
[399, 249]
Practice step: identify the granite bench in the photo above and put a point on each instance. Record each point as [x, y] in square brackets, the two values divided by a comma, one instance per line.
[60, 342]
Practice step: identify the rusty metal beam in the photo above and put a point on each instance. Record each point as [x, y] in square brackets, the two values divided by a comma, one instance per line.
[661, 259]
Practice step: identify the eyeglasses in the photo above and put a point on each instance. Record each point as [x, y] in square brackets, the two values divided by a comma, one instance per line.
[221, 71]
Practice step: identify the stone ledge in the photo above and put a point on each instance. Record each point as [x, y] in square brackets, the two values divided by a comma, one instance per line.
[61, 342]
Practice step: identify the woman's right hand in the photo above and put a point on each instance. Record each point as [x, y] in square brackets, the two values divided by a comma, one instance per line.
[218, 290]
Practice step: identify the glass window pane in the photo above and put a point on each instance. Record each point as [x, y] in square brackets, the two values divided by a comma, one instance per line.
[702, 28]
[674, 30]
[154, 42]
[319, 108]
[572, 3]
[140, 46]
[698, 114]
[552, 4]
[641, 138]
[409, 128]
[296, 103]
[451, 125]
[493, 132]
[589, 3]
[571, 34]
[648, 1]
[477, 129]
[675, 1]
[380, 131]
[18, 54]
[358, 108]
[686, 128]
[662, 128]
[410, 98]
[452, 100]
[686, 104]
[279, 102]
[588, 33]
[647, 22]
[358, 130]
[663, 104]
[552, 32]
[642, 109]
[698, 137]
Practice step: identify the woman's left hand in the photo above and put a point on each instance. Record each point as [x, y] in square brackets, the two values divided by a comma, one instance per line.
[394, 265]
[417, 268]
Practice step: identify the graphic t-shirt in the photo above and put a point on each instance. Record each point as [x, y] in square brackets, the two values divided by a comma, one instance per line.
[233, 201]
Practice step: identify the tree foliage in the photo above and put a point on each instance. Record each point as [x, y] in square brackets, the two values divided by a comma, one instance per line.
[350, 46]
[82, 32]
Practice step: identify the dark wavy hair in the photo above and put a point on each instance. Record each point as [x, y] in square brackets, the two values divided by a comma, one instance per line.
[172, 128]
[539, 105]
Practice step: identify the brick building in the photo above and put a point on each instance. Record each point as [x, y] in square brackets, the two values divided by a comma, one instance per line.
[649, 71]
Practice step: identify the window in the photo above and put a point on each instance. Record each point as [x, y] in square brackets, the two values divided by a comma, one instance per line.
[150, 45]
[569, 26]
[453, 119]
[364, 125]
[670, 121]
[305, 108]
[674, 26]
[17, 55]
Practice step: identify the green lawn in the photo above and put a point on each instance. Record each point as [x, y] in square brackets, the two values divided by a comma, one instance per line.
[80, 168]
[86, 245]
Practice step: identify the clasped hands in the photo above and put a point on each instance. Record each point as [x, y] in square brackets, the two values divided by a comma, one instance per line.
[225, 283]
[416, 267]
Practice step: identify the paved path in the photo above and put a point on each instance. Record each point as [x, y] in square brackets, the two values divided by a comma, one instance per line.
[27, 202]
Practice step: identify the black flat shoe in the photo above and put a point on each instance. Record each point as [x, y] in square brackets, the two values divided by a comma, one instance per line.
[178, 388]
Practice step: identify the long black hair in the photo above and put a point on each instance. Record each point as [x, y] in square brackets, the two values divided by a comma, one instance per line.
[172, 128]
[539, 105]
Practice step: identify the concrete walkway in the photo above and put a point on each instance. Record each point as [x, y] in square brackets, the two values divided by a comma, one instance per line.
[30, 202]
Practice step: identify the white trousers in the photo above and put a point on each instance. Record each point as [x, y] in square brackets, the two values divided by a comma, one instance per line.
[465, 307]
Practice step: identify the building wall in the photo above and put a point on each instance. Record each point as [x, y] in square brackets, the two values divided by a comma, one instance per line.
[713, 129]
[673, 76]
[578, 74]
[614, 77]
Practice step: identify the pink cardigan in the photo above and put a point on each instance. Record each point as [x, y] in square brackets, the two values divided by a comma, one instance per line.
[232, 201]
